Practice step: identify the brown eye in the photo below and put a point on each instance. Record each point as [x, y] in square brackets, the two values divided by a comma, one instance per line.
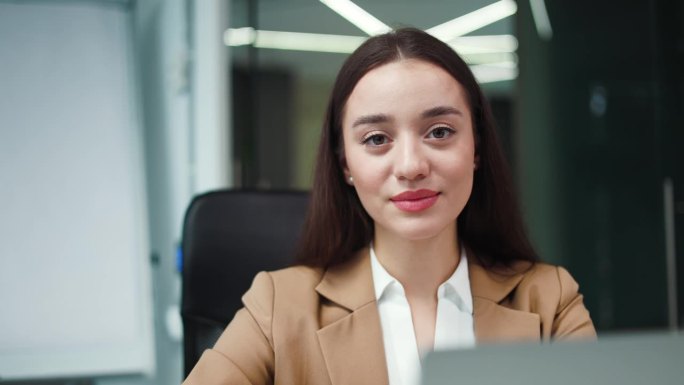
[440, 132]
[376, 140]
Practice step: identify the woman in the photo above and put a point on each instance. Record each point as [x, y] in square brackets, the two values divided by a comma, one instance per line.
[413, 239]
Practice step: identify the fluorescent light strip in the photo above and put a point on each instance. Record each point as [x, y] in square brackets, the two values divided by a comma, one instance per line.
[487, 67]
[490, 57]
[541, 19]
[495, 72]
[357, 16]
[473, 20]
[466, 45]
[235, 37]
[295, 41]
[307, 41]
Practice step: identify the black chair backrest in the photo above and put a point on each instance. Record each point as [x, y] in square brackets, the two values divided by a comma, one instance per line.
[228, 237]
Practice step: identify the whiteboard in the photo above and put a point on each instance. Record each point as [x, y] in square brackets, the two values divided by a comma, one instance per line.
[75, 296]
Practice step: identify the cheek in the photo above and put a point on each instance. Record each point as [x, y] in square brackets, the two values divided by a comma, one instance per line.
[352, 161]
[368, 175]
[461, 178]
[459, 169]
[460, 160]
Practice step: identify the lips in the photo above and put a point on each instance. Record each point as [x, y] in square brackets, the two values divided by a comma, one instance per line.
[414, 201]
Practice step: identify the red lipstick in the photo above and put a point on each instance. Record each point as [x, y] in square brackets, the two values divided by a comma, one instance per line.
[414, 201]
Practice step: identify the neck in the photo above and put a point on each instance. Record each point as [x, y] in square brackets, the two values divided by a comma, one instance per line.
[420, 265]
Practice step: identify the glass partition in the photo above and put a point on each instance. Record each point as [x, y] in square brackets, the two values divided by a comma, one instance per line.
[588, 99]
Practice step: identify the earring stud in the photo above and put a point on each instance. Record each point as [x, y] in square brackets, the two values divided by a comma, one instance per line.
[351, 180]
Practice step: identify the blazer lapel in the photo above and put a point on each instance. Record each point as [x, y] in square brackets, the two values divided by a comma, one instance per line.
[352, 345]
[494, 322]
[351, 340]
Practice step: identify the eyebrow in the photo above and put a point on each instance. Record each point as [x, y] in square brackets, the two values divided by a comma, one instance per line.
[441, 110]
[430, 113]
[371, 119]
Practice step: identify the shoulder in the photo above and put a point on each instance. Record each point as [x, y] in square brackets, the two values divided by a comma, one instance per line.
[549, 281]
[294, 278]
[548, 276]
[538, 287]
[290, 285]
[288, 308]
[522, 278]
[552, 293]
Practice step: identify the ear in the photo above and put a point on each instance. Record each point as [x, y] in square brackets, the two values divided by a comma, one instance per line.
[345, 170]
[476, 155]
[347, 176]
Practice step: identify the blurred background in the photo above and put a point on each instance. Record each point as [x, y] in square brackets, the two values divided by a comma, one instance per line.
[115, 113]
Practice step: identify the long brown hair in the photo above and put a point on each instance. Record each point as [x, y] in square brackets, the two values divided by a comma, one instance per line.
[337, 225]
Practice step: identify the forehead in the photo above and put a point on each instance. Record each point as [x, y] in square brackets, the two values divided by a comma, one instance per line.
[403, 88]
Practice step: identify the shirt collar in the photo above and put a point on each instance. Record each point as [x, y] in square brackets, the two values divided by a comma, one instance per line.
[381, 278]
[456, 288]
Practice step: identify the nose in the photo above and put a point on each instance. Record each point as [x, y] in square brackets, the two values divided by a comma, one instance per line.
[410, 162]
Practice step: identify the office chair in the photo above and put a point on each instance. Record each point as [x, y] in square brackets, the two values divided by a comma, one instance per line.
[228, 237]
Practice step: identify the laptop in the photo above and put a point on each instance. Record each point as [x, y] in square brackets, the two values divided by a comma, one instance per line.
[643, 359]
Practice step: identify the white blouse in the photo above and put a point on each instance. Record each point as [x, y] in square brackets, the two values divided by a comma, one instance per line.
[454, 327]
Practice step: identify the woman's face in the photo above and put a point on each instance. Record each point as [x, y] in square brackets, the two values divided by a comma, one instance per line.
[409, 147]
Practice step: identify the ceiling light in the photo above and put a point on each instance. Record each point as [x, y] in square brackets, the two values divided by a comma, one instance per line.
[465, 45]
[357, 16]
[490, 58]
[541, 19]
[495, 72]
[236, 37]
[473, 20]
[296, 41]
[474, 49]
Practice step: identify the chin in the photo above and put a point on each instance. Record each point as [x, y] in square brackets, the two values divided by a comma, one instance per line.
[420, 233]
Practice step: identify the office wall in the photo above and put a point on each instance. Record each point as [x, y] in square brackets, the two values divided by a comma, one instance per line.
[174, 64]
[74, 272]
[182, 83]
[600, 135]
[161, 52]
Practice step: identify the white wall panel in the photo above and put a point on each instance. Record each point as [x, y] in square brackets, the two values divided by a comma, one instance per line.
[74, 273]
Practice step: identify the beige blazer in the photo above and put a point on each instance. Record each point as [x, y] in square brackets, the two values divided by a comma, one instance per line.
[311, 326]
